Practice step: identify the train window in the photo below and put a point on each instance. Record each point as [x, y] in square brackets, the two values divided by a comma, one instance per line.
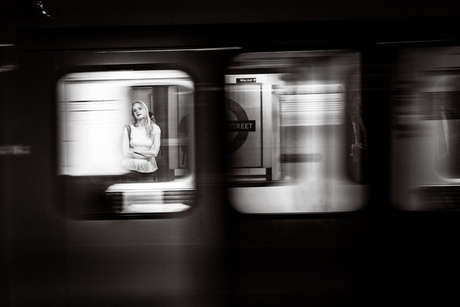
[296, 139]
[425, 129]
[126, 141]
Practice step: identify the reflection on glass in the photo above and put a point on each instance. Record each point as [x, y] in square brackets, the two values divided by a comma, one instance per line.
[130, 132]
[295, 134]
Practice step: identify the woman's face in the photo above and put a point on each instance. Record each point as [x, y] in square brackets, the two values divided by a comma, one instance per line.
[139, 111]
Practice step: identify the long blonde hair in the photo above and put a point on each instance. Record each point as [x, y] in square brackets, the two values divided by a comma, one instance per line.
[150, 119]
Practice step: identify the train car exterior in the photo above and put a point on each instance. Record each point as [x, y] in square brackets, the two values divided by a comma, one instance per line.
[85, 195]
[295, 158]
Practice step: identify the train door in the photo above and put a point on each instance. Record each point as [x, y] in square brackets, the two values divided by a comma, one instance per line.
[83, 232]
[296, 150]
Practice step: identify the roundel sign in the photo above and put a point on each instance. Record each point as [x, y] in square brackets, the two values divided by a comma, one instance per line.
[242, 125]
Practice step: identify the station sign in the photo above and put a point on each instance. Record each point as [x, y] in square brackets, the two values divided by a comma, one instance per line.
[238, 126]
[246, 80]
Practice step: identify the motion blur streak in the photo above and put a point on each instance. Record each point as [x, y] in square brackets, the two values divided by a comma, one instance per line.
[306, 108]
[426, 130]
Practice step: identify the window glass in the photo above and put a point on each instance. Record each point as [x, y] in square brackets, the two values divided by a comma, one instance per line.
[426, 130]
[126, 139]
[296, 138]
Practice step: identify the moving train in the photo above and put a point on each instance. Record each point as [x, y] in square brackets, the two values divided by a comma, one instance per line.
[303, 160]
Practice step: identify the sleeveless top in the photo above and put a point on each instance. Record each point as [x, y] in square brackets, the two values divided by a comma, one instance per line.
[139, 140]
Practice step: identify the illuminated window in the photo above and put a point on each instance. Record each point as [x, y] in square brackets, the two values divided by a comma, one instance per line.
[295, 133]
[426, 129]
[126, 141]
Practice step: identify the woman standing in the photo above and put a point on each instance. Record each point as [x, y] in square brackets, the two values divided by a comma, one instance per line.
[141, 143]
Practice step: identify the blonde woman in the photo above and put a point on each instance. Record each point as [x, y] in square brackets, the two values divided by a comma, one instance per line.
[141, 143]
